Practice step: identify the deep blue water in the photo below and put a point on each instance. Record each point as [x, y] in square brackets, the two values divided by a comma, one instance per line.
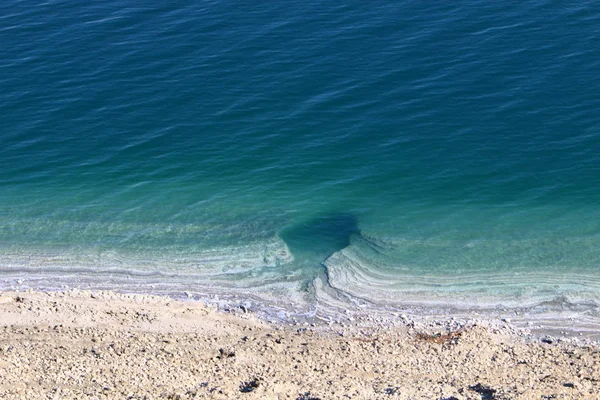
[405, 152]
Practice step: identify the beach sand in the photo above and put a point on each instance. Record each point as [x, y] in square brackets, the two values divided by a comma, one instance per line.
[99, 345]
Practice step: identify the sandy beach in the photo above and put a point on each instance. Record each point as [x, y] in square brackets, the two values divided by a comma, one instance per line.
[101, 345]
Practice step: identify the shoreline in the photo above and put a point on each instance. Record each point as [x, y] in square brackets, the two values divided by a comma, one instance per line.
[562, 317]
[108, 345]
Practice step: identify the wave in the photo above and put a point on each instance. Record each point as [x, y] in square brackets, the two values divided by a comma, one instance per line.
[370, 272]
[207, 264]
[473, 290]
[373, 275]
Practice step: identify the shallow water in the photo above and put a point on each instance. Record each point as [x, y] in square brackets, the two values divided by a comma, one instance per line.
[407, 154]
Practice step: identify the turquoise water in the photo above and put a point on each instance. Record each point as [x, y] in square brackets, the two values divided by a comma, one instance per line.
[394, 152]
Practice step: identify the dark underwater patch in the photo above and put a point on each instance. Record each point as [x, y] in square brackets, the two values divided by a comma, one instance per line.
[322, 235]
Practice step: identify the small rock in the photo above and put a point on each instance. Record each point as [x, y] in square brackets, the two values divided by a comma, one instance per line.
[486, 392]
[225, 353]
[247, 387]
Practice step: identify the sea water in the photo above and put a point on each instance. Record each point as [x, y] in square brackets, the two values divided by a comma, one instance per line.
[401, 154]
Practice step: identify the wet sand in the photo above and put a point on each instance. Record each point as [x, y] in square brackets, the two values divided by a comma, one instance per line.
[100, 345]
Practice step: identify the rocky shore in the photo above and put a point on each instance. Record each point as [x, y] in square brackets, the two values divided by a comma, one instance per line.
[104, 345]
